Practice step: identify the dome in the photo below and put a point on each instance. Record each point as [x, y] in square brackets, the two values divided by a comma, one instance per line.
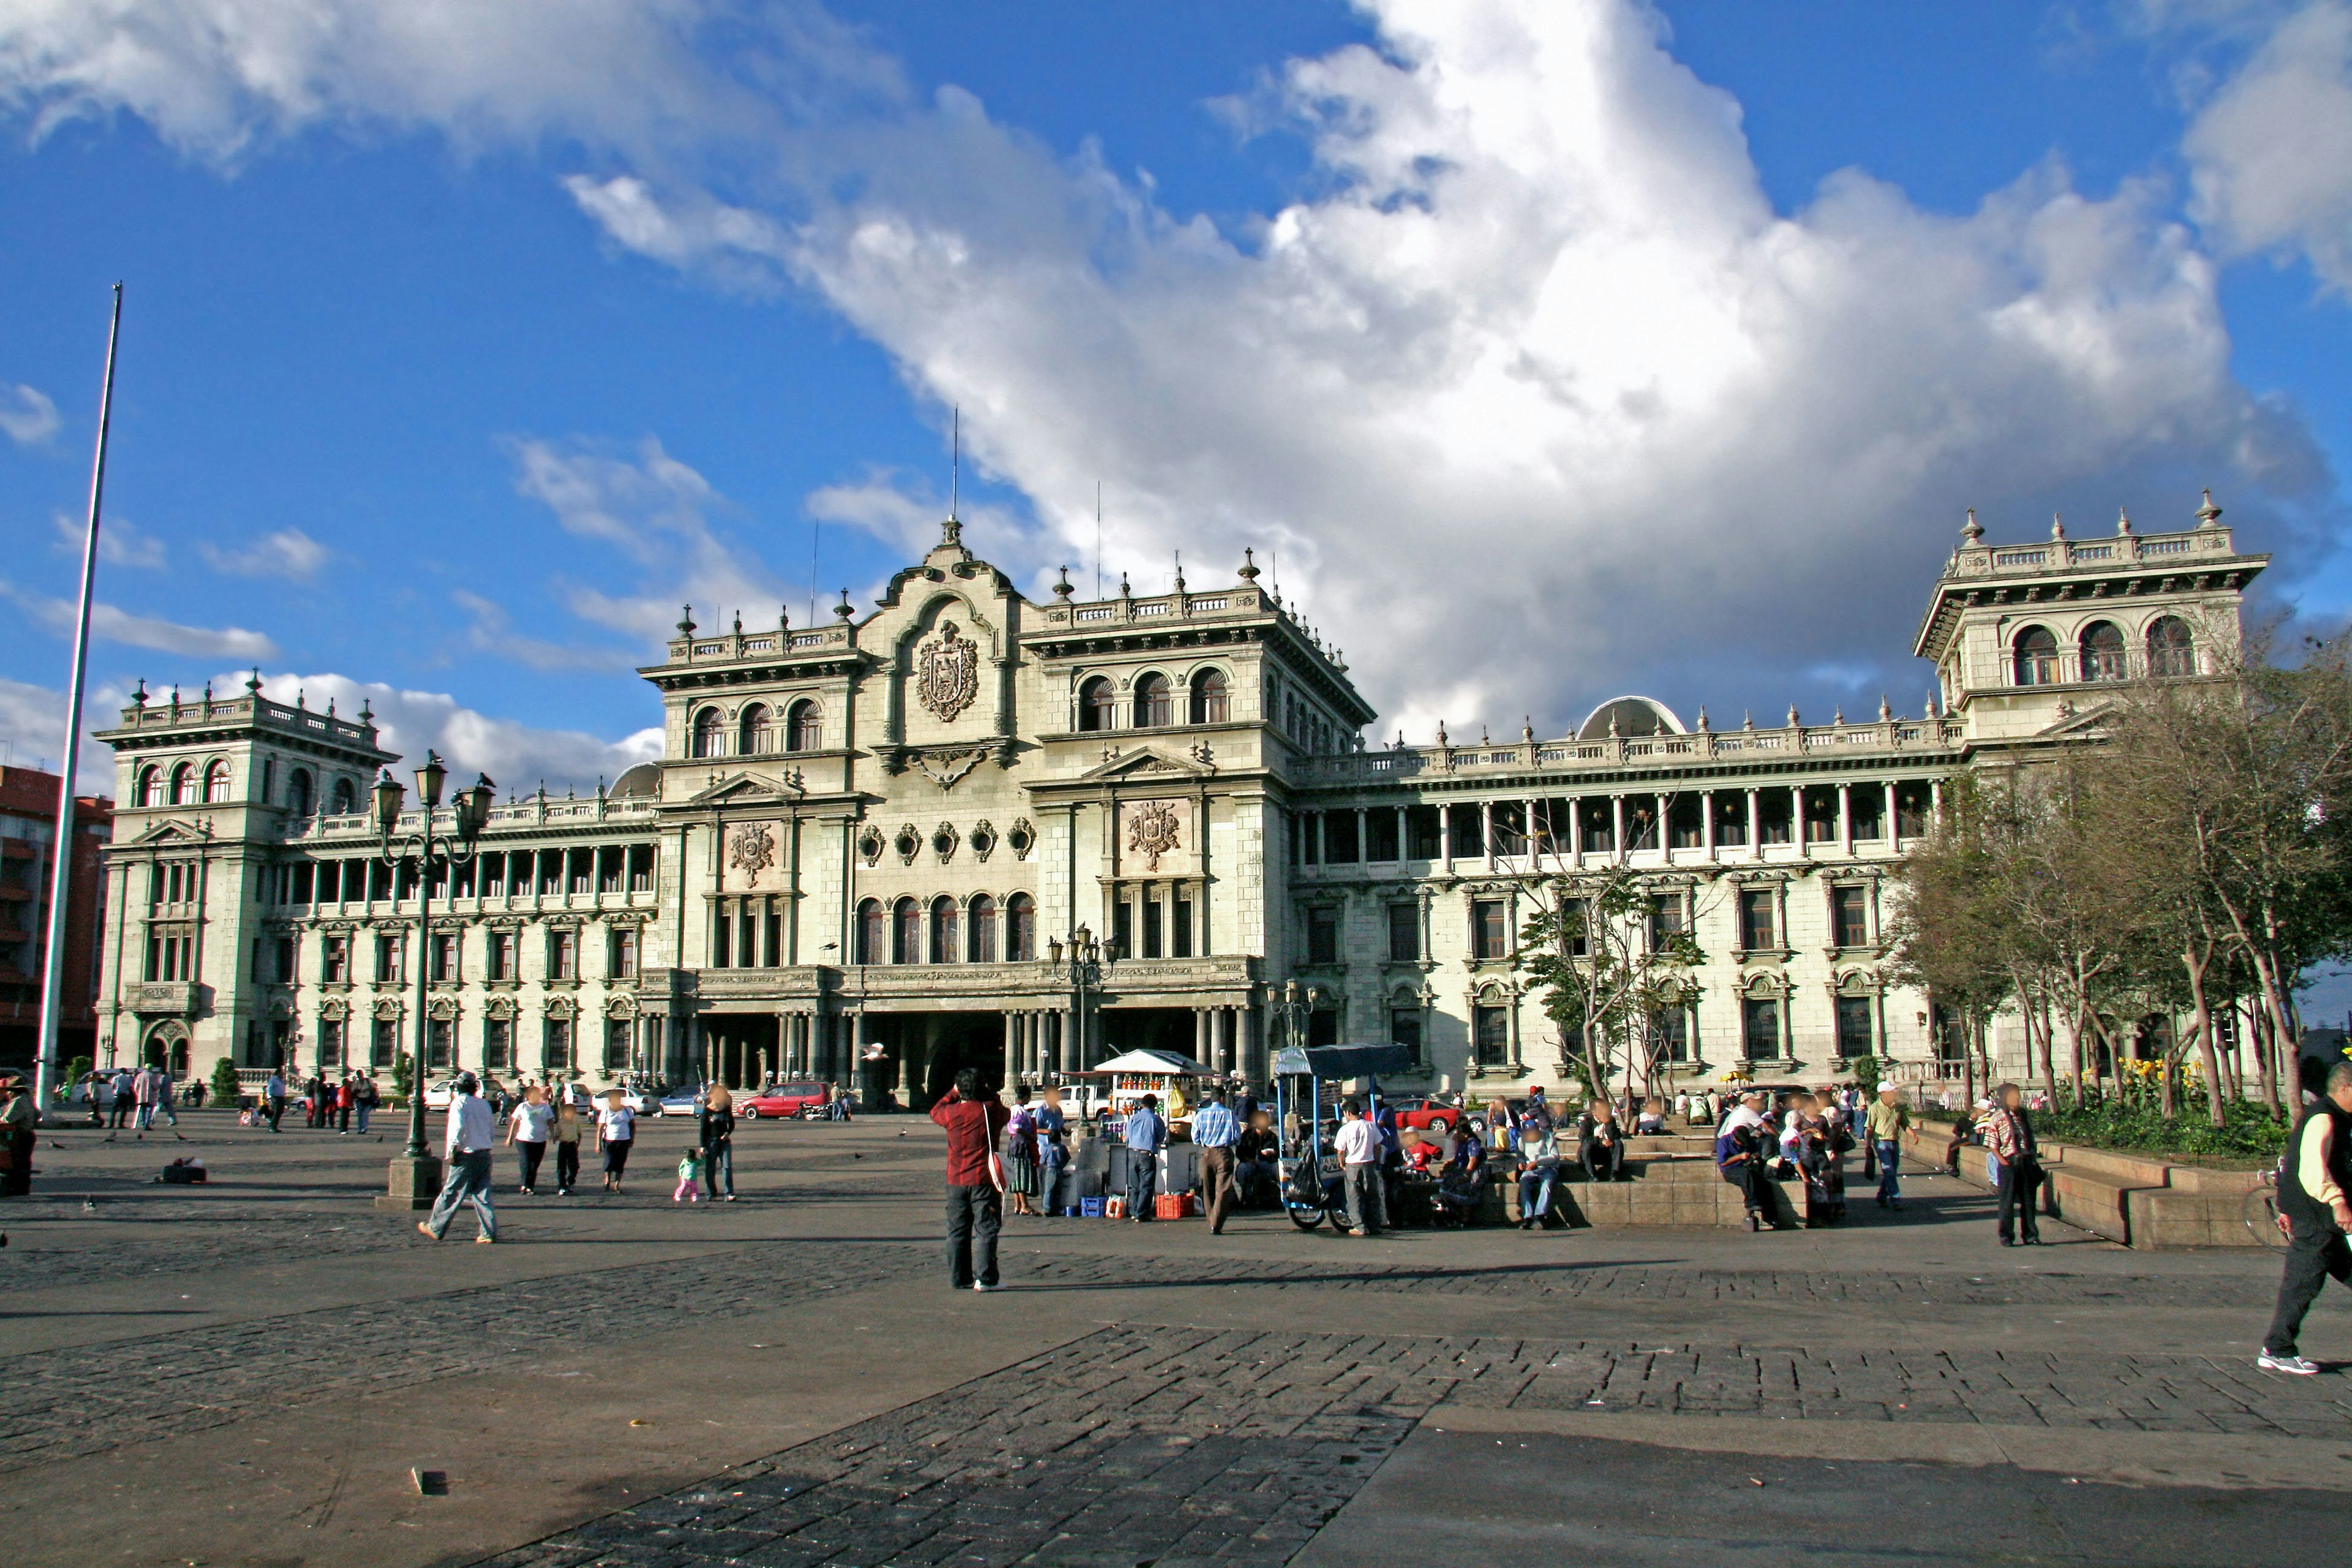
[640, 783]
[1632, 716]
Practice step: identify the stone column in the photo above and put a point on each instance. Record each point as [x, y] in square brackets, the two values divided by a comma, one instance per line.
[1707, 824]
[1576, 831]
[1202, 1045]
[1011, 1049]
[1404, 827]
[1935, 802]
[1364, 834]
[1533, 849]
[1445, 836]
[1894, 834]
[1755, 825]
[1845, 820]
[1616, 825]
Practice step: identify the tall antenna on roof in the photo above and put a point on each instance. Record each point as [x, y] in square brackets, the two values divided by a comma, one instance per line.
[955, 460]
[1097, 539]
[816, 527]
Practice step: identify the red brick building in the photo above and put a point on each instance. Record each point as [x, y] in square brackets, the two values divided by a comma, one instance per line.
[28, 816]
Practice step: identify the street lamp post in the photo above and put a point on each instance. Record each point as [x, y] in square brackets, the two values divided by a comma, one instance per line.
[1291, 1004]
[1082, 968]
[416, 1175]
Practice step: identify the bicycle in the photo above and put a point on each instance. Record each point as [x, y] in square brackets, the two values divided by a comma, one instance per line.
[2261, 1213]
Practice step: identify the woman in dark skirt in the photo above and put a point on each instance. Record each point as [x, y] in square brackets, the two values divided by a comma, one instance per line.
[1021, 1160]
[616, 1130]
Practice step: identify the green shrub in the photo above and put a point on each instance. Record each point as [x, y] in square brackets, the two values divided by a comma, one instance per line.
[2248, 1131]
[224, 1092]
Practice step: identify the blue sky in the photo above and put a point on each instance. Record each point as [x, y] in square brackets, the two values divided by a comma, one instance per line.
[1653, 350]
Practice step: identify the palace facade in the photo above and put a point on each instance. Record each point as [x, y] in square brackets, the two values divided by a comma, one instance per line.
[972, 829]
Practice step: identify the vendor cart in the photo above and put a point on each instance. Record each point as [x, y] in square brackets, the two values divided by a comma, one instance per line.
[1307, 1166]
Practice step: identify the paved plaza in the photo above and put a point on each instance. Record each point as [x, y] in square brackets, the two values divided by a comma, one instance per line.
[248, 1374]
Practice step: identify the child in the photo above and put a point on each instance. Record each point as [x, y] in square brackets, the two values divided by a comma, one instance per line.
[689, 1177]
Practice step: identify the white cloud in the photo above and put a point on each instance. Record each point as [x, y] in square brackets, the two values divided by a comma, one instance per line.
[2269, 154]
[655, 511]
[288, 553]
[493, 632]
[109, 623]
[1535, 394]
[516, 755]
[120, 543]
[907, 515]
[32, 733]
[26, 416]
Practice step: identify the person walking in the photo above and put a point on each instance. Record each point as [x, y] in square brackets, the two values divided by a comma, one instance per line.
[1216, 1131]
[717, 1124]
[126, 1097]
[466, 1164]
[2007, 1130]
[1884, 1125]
[343, 1097]
[1019, 1162]
[1358, 1148]
[690, 1167]
[164, 1098]
[273, 1099]
[567, 1146]
[975, 1197]
[616, 1131]
[527, 1131]
[2315, 1199]
[143, 1093]
[1145, 1135]
[364, 1096]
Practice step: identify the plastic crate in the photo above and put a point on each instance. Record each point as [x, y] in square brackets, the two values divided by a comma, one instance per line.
[1168, 1206]
[1090, 1208]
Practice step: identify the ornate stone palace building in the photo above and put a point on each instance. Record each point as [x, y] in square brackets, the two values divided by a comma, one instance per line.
[870, 847]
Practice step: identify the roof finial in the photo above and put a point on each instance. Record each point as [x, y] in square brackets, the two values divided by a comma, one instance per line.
[1248, 572]
[1885, 709]
[253, 682]
[2122, 521]
[138, 698]
[2209, 515]
[1702, 721]
[1748, 717]
[686, 621]
[1442, 741]
[1971, 532]
[1527, 729]
[2057, 526]
[739, 623]
[1792, 717]
[842, 610]
[783, 617]
[1062, 589]
[367, 712]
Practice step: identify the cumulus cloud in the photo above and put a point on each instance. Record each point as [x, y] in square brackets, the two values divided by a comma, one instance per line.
[288, 553]
[518, 756]
[111, 623]
[120, 543]
[492, 631]
[657, 512]
[1535, 394]
[907, 515]
[26, 416]
[32, 733]
[2270, 154]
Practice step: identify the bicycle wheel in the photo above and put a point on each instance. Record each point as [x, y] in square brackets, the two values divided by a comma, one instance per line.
[1301, 1215]
[2261, 1211]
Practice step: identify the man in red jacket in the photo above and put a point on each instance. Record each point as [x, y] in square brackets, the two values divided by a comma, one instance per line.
[975, 1199]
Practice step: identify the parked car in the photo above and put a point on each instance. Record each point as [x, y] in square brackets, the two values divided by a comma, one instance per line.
[1427, 1113]
[642, 1101]
[681, 1103]
[438, 1093]
[780, 1100]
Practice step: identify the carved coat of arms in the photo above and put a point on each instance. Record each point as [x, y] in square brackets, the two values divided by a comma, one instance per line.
[947, 673]
[1154, 831]
[751, 850]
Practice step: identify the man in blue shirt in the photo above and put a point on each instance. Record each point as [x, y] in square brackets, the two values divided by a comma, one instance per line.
[1215, 1130]
[1147, 1134]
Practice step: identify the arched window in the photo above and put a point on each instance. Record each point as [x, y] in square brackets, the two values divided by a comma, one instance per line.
[1154, 704]
[1209, 697]
[300, 795]
[150, 786]
[2170, 649]
[184, 784]
[906, 931]
[873, 932]
[804, 726]
[758, 736]
[216, 784]
[1020, 930]
[706, 743]
[1097, 705]
[943, 930]
[2037, 657]
[347, 797]
[984, 929]
[2102, 651]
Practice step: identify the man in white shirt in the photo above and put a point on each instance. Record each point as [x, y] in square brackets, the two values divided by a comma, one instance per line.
[1749, 1112]
[466, 1163]
[1358, 1146]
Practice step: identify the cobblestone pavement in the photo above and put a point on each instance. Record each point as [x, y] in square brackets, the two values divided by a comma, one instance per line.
[1169, 1445]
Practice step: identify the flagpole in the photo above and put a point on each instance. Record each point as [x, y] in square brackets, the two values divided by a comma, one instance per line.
[53, 986]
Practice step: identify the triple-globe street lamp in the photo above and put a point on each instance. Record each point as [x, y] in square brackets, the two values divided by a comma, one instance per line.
[415, 1174]
[1083, 967]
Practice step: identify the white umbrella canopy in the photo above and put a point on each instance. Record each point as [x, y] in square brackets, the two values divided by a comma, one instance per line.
[1156, 1061]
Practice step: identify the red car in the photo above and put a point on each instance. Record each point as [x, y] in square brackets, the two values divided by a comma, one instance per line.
[781, 1100]
[1427, 1114]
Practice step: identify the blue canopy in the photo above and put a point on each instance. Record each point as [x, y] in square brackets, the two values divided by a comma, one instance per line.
[1342, 1062]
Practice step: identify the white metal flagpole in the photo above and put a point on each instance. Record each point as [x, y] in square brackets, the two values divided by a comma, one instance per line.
[53, 990]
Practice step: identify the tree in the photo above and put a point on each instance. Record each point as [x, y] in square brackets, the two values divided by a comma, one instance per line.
[225, 1090]
[1608, 971]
